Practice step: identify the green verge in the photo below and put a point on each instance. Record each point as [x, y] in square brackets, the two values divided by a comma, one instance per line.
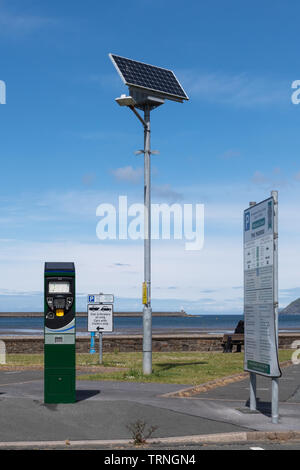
[191, 368]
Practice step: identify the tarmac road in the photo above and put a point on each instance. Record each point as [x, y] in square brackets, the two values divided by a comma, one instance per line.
[104, 410]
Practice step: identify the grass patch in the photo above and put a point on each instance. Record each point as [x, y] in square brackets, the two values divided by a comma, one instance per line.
[24, 360]
[191, 368]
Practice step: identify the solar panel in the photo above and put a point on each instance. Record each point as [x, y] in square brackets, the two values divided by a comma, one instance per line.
[148, 77]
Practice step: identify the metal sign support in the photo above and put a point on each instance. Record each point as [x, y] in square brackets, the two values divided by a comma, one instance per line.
[100, 347]
[252, 374]
[252, 391]
[275, 387]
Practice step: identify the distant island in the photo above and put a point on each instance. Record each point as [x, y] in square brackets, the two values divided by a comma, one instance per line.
[292, 309]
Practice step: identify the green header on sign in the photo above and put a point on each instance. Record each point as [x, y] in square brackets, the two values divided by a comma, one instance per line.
[258, 367]
[258, 223]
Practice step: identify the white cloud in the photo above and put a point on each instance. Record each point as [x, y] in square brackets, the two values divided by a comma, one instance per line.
[15, 24]
[230, 154]
[109, 80]
[273, 180]
[259, 178]
[205, 281]
[128, 174]
[165, 192]
[118, 266]
[239, 90]
[106, 135]
[88, 179]
[297, 176]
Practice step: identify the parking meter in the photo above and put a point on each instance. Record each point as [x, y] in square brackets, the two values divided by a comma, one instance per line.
[59, 333]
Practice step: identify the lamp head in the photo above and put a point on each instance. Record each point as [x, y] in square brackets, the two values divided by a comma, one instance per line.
[124, 100]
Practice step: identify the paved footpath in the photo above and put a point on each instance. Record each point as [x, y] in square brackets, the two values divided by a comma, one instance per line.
[104, 409]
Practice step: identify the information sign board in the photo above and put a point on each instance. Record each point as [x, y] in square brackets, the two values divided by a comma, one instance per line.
[261, 344]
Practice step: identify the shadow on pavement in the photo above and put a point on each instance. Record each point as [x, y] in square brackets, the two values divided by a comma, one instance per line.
[263, 407]
[86, 394]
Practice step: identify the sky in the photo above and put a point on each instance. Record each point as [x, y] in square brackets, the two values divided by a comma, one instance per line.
[66, 146]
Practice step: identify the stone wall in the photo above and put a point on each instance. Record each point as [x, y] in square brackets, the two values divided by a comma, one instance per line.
[131, 343]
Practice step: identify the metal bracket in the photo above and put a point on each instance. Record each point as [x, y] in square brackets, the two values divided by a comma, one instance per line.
[138, 116]
[152, 152]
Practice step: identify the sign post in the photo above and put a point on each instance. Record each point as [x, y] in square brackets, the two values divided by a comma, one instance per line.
[261, 296]
[100, 317]
[275, 382]
[100, 346]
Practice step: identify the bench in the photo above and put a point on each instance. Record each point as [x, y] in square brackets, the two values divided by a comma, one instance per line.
[231, 340]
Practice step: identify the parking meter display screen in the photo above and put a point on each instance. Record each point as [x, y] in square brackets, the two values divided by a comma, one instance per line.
[59, 287]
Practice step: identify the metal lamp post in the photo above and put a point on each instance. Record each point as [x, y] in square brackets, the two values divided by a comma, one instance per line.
[149, 86]
[147, 310]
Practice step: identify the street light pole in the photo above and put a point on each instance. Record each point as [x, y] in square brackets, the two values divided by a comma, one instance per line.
[147, 311]
[149, 87]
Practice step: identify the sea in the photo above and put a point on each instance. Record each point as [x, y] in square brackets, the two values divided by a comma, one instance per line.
[209, 324]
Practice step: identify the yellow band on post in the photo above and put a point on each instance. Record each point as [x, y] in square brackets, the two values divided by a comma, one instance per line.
[145, 297]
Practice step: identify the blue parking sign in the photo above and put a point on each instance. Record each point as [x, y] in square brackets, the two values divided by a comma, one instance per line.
[247, 221]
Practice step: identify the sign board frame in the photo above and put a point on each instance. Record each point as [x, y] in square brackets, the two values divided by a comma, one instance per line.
[260, 290]
[100, 318]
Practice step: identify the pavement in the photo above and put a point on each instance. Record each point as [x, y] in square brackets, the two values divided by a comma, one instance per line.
[105, 409]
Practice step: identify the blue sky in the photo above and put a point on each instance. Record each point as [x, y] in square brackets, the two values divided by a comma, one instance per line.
[67, 147]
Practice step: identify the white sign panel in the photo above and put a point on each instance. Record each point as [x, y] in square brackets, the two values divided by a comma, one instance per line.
[261, 350]
[100, 298]
[100, 318]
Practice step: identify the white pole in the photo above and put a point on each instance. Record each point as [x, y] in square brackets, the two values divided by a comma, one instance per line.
[252, 391]
[2, 352]
[252, 374]
[275, 413]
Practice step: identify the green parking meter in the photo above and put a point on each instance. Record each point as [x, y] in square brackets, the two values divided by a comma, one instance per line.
[59, 333]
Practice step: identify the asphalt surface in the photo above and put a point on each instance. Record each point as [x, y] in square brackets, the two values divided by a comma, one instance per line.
[177, 450]
[104, 409]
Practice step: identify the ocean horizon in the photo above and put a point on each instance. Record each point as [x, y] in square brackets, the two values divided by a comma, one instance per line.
[209, 323]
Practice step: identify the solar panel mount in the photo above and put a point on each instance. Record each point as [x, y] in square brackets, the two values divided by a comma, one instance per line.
[143, 79]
